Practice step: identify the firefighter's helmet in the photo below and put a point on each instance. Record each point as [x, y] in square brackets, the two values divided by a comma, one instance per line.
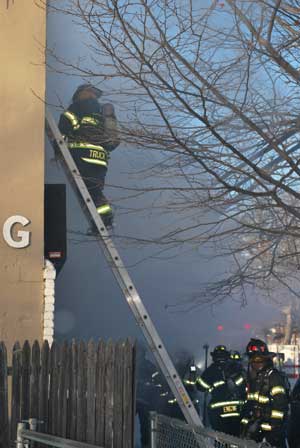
[80, 89]
[220, 353]
[235, 355]
[258, 348]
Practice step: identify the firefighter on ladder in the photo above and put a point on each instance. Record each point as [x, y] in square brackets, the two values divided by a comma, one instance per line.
[226, 386]
[264, 415]
[91, 133]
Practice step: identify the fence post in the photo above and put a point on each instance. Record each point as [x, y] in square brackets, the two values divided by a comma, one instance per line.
[20, 441]
[33, 422]
[153, 421]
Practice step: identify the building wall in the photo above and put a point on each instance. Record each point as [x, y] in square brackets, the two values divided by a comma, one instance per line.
[22, 93]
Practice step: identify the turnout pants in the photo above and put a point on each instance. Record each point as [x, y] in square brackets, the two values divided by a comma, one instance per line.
[229, 425]
[93, 176]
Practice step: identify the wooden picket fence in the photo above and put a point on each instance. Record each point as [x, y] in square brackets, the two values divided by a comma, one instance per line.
[80, 391]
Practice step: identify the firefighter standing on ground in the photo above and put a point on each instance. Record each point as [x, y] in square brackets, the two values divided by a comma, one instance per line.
[226, 386]
[150, 393]
[264, 414]
[188, 373]
[91, 133]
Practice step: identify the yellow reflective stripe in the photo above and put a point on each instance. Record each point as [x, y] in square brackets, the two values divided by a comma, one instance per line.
[102, 211]
[89, 120]
[85, 145]
[192, 383]
[218, 383]
[73, 119]
[266, 427]
[257, 397]
[172, 401]
[94, 161]
[219, 404]
[244, 421]
[263, 399]
[277, 390]
[203, 383]
[231, 414]
[277, 414]
[239, 381]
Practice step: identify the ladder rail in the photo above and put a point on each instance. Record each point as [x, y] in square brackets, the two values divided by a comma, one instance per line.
[127, 286]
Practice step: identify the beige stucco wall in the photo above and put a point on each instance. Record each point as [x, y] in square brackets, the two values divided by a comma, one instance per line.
[22, 91]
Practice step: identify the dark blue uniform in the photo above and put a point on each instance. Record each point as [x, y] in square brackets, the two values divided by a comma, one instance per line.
[265, 412]
[226, 384]
[91, 136]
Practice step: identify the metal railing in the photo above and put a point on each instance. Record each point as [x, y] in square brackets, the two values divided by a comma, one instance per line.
[168, 432]
[25, 436]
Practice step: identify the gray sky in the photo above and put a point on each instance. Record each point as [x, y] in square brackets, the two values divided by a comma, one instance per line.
[88, 301]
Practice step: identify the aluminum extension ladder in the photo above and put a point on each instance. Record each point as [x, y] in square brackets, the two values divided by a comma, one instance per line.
[130, 293]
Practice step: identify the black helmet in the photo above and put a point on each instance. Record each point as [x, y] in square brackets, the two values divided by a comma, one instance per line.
[235, 355]
[256, 347]
[220, 353]
[79, 89]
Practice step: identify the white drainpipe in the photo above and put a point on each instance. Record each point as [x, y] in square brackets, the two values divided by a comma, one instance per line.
[49, 301]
